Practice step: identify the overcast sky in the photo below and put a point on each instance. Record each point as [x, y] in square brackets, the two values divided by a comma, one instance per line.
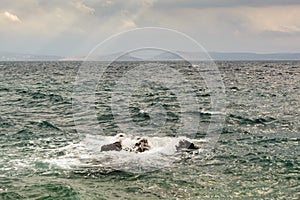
[74, 27]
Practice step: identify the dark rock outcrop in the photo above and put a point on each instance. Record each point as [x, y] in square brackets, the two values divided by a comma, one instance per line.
[185, 145]
[141, 146]
[116, 146]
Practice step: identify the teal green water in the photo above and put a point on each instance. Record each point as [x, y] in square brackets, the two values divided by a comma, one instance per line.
[257, 155]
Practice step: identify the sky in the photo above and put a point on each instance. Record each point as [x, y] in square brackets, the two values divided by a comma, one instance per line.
[74, 27]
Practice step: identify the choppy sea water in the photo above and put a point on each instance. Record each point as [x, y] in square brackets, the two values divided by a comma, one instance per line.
[43, 155]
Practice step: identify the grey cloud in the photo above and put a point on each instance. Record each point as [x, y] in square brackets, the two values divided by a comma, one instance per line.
[227, 25]
[221, 3]
[280, 34]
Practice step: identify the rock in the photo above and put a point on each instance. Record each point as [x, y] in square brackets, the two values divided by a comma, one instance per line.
[138, 145]
[184, 144]
[116, 146]
[141, 145]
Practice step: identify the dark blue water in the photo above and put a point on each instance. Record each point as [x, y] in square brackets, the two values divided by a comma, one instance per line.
[257, 155]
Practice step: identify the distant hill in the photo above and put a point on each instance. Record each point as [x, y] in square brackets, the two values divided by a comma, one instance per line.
[226, 56]
[254, 56]
[7, 56]
[110, 57]
[165, 56]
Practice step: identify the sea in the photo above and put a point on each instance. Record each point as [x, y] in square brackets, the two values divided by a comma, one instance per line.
[50, 149]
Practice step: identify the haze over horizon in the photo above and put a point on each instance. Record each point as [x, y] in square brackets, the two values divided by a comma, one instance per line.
[73, 28]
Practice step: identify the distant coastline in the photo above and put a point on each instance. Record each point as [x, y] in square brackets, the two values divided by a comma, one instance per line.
[217, 56]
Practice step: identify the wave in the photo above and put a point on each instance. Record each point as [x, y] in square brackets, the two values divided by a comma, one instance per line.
[87, 155]
[6, 122]
[206, 112]
[243, 120]
[45, 125]
[41, 96]
[4, 89]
